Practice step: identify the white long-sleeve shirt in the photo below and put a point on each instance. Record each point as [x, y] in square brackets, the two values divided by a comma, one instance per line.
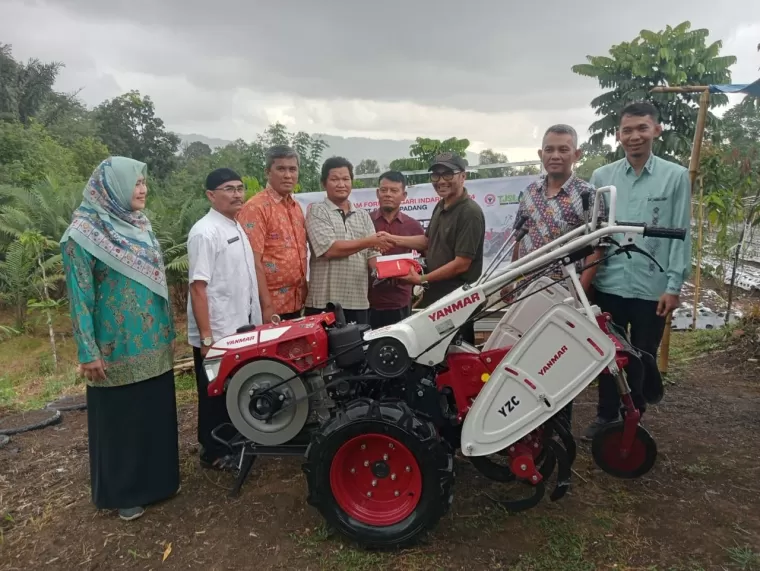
[220, 255]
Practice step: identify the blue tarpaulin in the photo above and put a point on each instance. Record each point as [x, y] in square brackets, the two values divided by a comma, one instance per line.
[752, 89]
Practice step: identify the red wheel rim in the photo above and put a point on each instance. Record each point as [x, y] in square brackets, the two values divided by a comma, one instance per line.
[375, 479]
[610, 452]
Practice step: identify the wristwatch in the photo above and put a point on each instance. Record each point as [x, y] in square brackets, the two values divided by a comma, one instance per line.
[424, 281]
[207, 341]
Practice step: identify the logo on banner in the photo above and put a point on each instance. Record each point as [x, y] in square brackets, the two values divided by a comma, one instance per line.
[490, 199]
[505, 199]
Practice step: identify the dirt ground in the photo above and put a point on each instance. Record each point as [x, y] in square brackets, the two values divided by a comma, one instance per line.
[699, 508]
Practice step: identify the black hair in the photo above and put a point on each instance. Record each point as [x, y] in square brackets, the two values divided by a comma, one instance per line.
[641, 109]
[336, 163]
[394, 176]
[281, 152]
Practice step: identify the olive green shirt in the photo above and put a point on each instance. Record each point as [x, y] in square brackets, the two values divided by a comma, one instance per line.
[456, 230]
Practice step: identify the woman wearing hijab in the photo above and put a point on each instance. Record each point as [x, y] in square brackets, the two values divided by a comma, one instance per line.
[124, 334]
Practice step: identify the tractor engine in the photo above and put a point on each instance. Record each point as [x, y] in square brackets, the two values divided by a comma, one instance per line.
[265, 372]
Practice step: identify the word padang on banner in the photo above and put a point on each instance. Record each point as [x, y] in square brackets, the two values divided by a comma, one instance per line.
[498, 197]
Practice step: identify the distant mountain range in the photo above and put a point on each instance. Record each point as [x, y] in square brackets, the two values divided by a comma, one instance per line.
[355, 149]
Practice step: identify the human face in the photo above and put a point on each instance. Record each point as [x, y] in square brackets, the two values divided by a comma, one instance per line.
[636, 135]
[558, 154]
[227, 198]
[283, 175]
[338, 185]
[139, 194]
[447, 183]
[390, 195]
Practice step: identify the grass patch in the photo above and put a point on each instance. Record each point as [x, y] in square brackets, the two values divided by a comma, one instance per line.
[330, 554]
[744, 558]
[29, 380]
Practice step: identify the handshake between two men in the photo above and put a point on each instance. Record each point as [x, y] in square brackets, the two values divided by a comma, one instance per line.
[385, 243]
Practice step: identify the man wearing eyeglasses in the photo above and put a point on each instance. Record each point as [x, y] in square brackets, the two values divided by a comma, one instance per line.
[453, 241]
[224, 295]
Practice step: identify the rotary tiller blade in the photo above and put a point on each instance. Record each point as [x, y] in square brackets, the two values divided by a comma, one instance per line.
[568, 442]
[539, 488]
[515, 506]
[563, 470]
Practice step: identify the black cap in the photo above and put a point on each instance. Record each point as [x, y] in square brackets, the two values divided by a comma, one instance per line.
[449, 160]
[218, 177]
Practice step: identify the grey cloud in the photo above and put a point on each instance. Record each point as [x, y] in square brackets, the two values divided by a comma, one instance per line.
[481, 55]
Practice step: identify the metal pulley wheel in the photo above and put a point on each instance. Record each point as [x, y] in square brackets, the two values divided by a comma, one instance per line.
[267, 417]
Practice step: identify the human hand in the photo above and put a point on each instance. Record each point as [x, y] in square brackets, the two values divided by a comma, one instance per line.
[668, 302]
[412, 277]
[383, 241]
[93, 371]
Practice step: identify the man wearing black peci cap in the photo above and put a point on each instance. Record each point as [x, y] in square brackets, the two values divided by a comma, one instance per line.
[224, 296]
[453, 241]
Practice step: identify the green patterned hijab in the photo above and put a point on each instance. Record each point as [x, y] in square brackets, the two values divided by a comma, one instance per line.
[106, 226]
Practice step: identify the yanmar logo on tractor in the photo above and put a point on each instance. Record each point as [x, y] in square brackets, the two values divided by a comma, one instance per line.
[553, 360]
[454, 307]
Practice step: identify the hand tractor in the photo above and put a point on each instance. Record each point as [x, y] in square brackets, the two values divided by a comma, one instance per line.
[379, 414]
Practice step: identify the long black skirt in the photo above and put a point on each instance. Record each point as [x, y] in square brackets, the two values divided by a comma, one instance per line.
[134, 450]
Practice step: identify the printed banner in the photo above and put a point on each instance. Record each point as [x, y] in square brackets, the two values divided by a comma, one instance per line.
[498, 197]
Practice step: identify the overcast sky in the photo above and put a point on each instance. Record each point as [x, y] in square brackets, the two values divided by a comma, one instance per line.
[384, 69]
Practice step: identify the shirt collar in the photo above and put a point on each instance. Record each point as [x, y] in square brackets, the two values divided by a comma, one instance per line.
[277, 197]
[565, 186]
[333, 206]
[220, 218]
[400, 216]
[648, 166]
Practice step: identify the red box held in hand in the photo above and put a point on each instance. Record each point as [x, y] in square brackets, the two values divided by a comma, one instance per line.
[396, 266]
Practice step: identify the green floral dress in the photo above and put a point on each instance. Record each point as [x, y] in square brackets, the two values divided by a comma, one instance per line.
[116, 319]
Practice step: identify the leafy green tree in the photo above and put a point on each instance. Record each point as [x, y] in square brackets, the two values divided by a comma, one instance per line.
[674, 56]
[24, 88]
[129, 127]
[425, 150]
[29, 155]
[527, 170]
[593, 156]
[491, 157]
[367, 166]
[195, 150]
[740, 125]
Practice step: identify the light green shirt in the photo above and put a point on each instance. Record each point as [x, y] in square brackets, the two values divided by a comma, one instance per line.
[659, 196]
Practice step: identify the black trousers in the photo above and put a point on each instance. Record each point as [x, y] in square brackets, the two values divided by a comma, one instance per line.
[212, 411]
[467, 333]
[646, 329]
[382, 317]
[352, 315]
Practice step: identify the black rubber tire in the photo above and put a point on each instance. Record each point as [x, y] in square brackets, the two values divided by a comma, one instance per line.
[4, 439]
[64, 404]
[395, 419]
[615, 430]
[54, 419]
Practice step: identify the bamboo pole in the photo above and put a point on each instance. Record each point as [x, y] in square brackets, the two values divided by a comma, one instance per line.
[696, 151]
[699, 251]
[681, 89]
